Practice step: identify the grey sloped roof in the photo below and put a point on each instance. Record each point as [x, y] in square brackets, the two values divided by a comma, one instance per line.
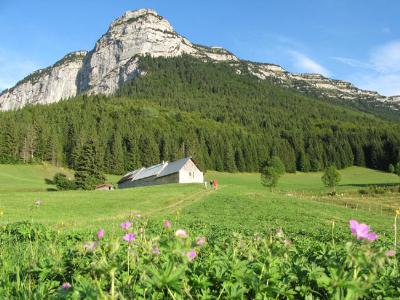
[129, 176]
[159, 170]
[174, 167]
[150, 171]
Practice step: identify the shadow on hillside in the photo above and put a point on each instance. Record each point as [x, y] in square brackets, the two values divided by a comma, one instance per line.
[48, 181]
[363, 185]
[51, 190]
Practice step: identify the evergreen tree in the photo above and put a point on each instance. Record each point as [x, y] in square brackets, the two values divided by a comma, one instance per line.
[229, 159]
[150, 153]
[116, 155]
[397, 169]
[131, 154]
[87, 174]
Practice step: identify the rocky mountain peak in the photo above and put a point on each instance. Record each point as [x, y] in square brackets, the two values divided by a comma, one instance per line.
[140, 17]
[115, 57]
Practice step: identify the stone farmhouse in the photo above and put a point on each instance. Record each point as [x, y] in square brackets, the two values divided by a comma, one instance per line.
[184, 170]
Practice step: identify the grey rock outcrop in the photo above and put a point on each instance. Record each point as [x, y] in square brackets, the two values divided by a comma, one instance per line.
[114, 61]
[47, 85]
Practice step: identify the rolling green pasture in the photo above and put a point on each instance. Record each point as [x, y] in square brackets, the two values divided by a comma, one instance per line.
[241, 203]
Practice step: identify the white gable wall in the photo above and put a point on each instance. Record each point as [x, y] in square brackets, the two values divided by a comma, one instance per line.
[189, 173]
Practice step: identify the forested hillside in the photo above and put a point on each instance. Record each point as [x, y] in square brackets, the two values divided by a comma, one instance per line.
[226, 119]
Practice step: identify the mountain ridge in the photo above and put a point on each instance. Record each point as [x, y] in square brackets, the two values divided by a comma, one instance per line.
[114, 61]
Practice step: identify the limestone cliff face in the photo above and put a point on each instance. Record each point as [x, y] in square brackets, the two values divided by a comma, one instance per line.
[317, 84]
[114, 60]
[47, 85]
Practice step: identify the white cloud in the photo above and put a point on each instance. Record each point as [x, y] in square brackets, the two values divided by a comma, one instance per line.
[353, 62]
[307, 65]
[386, 58]
[388, 85]
[381, 72]
[13, 68]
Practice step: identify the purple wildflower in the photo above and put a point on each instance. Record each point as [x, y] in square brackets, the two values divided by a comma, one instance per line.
[100, 234]
[361, 231]
[89, 246]
[167, 224]
[201, 241]
[129, 237]
[66, 286]
[181, 234]
[126, 225]
[390, 253]
[191, 255]
[156, 250]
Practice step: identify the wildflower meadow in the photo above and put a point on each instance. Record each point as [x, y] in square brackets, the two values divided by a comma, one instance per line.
[241, 241]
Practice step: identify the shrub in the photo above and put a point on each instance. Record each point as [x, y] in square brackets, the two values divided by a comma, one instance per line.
[331, 177]
[269, 177]
[63, 183]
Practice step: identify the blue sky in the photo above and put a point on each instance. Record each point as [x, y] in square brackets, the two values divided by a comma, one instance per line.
[357, 40]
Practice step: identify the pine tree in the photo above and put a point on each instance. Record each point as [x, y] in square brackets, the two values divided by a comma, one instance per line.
[116, 158]
[87, 174]
[132, 157]
[150, 153]
[229, 159]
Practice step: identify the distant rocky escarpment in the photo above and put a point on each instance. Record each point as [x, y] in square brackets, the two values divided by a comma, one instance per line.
[114, 61]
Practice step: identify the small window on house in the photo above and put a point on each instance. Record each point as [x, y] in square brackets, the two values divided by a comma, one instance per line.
[190, 173]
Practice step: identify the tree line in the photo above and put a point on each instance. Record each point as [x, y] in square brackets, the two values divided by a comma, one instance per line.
[186, 107]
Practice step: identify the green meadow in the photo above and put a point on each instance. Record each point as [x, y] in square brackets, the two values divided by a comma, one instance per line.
[242, 241]
[240, 202]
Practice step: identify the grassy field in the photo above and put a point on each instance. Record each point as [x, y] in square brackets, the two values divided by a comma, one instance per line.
[299, 201]
[246, 255]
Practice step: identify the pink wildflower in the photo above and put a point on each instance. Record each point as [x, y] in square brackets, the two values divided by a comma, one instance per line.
[201, 241]
[181, 234]
[191, 255]
[390, 253]
[126, 225]
[156, 250]
[100, 234]
[167, 224]
[89, 246]
[361, 231]
[129, 237]
[66, 286]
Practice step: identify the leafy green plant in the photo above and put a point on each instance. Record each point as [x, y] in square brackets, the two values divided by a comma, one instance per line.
[141, 261]
[331, 177]
[63, 183]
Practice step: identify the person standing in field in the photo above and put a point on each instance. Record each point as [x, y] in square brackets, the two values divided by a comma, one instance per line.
[215, 184]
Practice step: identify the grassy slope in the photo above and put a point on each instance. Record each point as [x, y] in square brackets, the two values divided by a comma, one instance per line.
[19, 178]
[241, 203]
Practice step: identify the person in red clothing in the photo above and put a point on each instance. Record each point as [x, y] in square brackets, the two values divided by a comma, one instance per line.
[215, 184]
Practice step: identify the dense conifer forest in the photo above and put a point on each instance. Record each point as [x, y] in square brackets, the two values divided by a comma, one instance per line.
[227, 119]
